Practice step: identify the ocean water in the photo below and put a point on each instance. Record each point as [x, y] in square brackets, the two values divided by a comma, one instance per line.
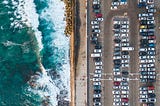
[34, 53]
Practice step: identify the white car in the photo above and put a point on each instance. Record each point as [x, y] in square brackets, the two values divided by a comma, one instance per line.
[124, 92]
[116, 96]
[125, 87]
[125, 30]
[94, 22]
[126, 44]
[98, 63]
[126, 56]
[124, 40]
[150, 22]
[116, 103]
[115, 92]
[116, 87]
[97, 75]
[124, 35]
[97, 83]
[152, 100]
[151, 48]
[95, 26]
[143, 30]
[99, 19]
[98, 67]
[142, 57]
[96, 79]
[116, 73]
[97, 95]
[151, 65]
[151, 60]
[125, 104]
[116, 57]
[116, 22]
[117, 44]
[125, 65]
[117, 100]
[143, 49]
[116, 69]
[117, 34]
[125, 26]
[125, 22]
[151, 69]
[143, 96]
[124, 96]
[98, 71]
[143, 65]
[96, 30]
[117, 78]
[151, 57]
[125, 61]
[143, 92]
[97, 51]
[151, 41]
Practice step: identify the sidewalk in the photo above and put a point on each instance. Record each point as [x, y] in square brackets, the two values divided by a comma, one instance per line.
[81, 69]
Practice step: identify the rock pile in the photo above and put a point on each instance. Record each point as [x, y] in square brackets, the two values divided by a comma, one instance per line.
[69, 16]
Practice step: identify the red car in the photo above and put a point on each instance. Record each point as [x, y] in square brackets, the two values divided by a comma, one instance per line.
[116, 83]
[99, 15]
[124, 99]
[150, 87]
[151, 37]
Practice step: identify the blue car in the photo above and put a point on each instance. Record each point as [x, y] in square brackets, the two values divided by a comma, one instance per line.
[151, 45]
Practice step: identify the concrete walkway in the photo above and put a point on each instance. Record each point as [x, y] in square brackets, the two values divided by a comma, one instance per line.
[81, 69]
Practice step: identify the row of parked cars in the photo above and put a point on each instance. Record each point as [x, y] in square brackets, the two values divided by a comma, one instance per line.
[147, 95]
[97, 53]
[116, 3]
[121, 63]
[147, 52]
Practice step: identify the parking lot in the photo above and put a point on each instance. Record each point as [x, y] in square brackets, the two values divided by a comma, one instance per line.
[102, 62]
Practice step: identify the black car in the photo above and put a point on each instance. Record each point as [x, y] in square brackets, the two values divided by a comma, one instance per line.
[150, 33]
[144, 41]
[97, 59]
[142, 53]
[117, 61]
[96, 99]
[117, 40]
[96, 6]
[117, 53]
[150, 104]
[143, 72]
[125, 53]
[143, 22]
[150, 26]
[98, 46]
[117, 49]
[143, 33]
[117, 65]
[143, 45]
[151, 80]
[124, 72]
[117, 26]
[151, 95]
[97, 91]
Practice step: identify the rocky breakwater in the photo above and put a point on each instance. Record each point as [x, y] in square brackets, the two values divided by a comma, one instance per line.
[69, 16]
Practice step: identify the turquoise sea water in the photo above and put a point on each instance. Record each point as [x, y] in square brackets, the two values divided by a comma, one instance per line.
[20, 56]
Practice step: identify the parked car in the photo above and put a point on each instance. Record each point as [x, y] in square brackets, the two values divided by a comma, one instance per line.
[94, 22]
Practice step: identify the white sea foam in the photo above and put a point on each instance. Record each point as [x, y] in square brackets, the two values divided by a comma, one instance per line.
[26, 14]
[55, 13]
